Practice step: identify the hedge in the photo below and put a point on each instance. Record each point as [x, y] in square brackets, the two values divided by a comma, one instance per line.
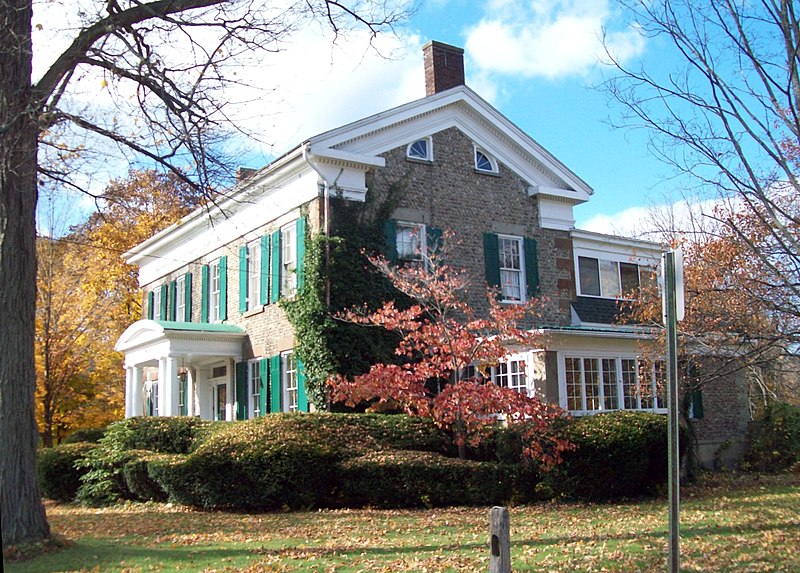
[773, 443]
[617, 455]
[59, 475]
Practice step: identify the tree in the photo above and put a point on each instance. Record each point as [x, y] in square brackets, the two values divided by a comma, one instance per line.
[733, 316]
[445, 352]
[165, 61]
[728, 118]
[87, 295]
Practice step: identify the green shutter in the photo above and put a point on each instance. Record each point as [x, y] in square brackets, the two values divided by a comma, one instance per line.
[241, 390]
[433, 238]
[275, 384]
[300, 230]
[173, 300]
[696, 402]
[264, 282]
[243, 279]
[263, 366]
[204, 294]
[223, 288]
[151, 299]
[162, 313]
[275, 267]
[531, 267]
[188, 296]
[491, 255]
[302, 395]
[183, 380]
[390, 232]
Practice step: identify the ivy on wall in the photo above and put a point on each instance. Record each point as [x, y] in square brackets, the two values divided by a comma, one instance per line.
[326, 345]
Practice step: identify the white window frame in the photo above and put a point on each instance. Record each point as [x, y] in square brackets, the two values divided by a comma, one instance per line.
[593, 363]
[512, 373]
[412, 230]
[180, 298]
[289, 382]
[157, 303]
[410, 154]
[491, 160]
[506, 271]
[253, 286]
[288, 270]
[617, 290]
[254, 388]
[214, 291]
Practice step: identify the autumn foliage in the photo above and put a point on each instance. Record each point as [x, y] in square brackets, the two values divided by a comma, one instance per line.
[443, 357]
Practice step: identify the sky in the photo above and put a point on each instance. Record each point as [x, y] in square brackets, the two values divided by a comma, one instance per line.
[536, 61]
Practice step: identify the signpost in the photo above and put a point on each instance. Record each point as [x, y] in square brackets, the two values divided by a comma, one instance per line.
[673, 311]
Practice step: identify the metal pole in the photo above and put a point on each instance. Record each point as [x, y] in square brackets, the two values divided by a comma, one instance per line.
[673, 460]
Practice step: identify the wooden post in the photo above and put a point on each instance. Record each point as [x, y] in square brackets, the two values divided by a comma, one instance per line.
[500, 530]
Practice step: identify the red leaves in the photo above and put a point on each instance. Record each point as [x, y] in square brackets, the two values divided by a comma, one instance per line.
[441, 336]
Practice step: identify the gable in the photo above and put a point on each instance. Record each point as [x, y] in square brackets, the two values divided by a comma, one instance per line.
[464, 110]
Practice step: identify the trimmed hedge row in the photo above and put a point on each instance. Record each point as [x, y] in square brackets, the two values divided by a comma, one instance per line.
[296, 461]
[59, 475]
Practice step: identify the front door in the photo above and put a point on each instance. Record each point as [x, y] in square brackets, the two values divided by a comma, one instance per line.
[222, 399]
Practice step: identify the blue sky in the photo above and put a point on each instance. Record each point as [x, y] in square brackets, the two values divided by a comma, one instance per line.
[534, 60]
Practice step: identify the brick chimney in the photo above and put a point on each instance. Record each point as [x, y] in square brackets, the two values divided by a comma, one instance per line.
[444, 67]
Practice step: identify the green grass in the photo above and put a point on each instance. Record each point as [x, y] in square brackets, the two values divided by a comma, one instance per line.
[732, 524]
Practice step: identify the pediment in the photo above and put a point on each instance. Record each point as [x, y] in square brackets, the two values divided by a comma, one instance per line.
[463, 109]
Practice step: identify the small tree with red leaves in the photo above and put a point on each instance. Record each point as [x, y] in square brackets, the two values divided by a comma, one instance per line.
[443, 340]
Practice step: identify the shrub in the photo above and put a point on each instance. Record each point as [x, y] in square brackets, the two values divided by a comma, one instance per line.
[168, 435]
[59, 475]
[88, 435]
[618, 454]
[138, 479]
[773, 443]
[398, 479]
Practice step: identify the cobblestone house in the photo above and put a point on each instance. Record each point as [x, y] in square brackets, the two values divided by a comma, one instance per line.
[214, 341]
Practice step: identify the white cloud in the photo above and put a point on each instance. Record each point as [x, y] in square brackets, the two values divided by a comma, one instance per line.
[548, 38]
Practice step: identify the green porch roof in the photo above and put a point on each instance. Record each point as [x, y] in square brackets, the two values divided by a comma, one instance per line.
[200, 326]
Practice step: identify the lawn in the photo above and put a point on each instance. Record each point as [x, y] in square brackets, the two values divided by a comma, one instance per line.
[740, 524]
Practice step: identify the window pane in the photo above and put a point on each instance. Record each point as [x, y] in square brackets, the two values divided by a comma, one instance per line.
[609, 279]
[213, 305]
[630, 384]
[591, 377]
[646, 383]
[288, 260]
[289, 381]
[629, 277]
[610, 384]
[589, 276]
[253, 275]
[409, 241]
[510, 254]
[419, 149]
[254, 377]
[574, 386]
[482, 161]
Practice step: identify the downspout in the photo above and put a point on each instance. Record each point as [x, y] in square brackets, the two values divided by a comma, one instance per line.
[326, 229]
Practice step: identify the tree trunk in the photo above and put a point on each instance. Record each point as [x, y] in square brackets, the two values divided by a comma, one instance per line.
[23, 515]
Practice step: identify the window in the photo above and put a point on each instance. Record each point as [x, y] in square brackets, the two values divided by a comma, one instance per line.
[183, 387]
[289, 379]
[180, 298]
[420, 149]
[511, 374]
[214, 291]
[410, 241]
[288, 260]
[155, 303]
[593, 384]
[511, 269]
[484, 162]
[611, 279]
[220, 401]
[219, 371]
[511, 266]
[255, 385]
[152, 399]
[250, 276]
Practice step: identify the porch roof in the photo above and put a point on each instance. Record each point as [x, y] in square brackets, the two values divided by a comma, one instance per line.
[145, 341]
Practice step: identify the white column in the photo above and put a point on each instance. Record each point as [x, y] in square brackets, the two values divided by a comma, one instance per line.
[128, 391]
[137, 389]
[190, 391]
[168, 387]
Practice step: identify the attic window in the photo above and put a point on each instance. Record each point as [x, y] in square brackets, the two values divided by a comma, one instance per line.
[420, 149]
[484, 162]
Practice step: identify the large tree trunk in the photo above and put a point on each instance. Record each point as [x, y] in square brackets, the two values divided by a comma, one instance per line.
[23, 514]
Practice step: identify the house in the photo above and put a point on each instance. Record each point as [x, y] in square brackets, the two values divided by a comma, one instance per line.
[216, 342]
